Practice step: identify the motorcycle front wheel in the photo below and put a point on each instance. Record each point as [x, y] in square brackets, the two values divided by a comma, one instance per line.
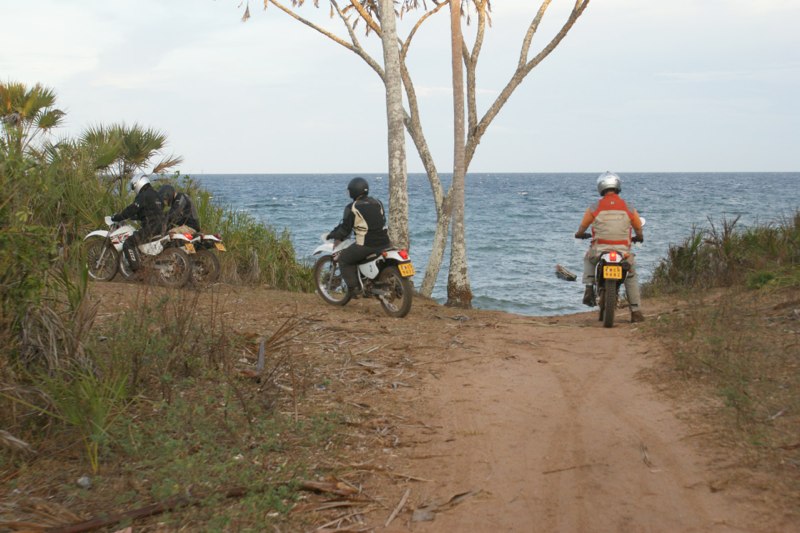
[173, 268]
[397, 302]
[101, 259]
[205, 268]
[609, 304]
[328, 281]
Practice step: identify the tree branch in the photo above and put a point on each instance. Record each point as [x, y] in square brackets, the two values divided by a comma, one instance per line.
[366, 16]
[526, 42]
[422, 19]
[355, 47]
[519, 74]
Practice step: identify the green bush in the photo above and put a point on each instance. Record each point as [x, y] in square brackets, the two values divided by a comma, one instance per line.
[760, 256]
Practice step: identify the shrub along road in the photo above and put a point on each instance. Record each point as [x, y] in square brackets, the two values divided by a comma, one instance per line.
[470, 420]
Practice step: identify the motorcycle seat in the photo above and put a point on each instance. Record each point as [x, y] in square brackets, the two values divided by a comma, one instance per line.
[372, 256]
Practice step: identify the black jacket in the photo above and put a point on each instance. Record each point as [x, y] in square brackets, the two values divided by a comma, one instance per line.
[364, 216]
[147, 209]
[182, 212]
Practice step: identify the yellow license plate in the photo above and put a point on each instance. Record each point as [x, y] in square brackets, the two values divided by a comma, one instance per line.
[189, 247]
[406, 269]
[220, 246]
[612, 272]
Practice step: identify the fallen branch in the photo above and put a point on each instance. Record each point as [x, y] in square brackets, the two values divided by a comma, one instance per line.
[399, 507]
[587, 465]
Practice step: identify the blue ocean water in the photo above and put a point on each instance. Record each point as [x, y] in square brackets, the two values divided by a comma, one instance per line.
[519, 226]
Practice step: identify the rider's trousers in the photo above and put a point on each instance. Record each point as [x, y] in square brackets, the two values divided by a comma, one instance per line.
[631, 282]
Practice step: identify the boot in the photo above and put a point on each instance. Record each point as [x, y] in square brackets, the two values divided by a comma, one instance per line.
[637, 316]
[355, 292]
[588, 296]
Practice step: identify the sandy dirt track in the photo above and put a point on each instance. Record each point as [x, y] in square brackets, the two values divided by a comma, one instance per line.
[504, 423]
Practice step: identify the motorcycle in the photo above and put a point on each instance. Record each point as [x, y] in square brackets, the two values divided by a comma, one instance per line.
[385, 275]
[205, 263]
[610, 274]
[170, 264]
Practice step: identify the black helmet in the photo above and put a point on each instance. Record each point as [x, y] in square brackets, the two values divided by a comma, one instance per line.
[357, 187]
[167, 193]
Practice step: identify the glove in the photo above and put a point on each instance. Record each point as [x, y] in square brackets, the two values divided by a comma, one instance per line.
[638, 238]
[578, 235]
[328, 237]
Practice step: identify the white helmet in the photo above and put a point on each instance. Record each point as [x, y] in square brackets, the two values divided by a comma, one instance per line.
[608, 180]
[138, 181]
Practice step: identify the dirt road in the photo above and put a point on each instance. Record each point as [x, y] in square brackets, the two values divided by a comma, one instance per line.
[486, 421]
[546, 427]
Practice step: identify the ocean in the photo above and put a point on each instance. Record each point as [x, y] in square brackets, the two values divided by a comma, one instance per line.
[519, 226]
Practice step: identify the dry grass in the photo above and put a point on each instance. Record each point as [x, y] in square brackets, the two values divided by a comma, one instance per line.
[281, 413]
[738, 352]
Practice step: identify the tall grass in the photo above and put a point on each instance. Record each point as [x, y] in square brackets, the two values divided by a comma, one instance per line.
[722, 256]
[51, 361]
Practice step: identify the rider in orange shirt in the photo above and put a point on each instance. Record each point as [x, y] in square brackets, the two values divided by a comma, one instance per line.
[612, 220]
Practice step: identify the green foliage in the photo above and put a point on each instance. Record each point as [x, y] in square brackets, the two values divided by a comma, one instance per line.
[207, 445]
[120, 150]
[761, 256]
[100, 383]
[89, 400]
[26, 114]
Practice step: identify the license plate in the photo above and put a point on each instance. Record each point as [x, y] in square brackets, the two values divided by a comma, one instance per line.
[406, 269]
[220, 246]
[189, 247]
[612, 272]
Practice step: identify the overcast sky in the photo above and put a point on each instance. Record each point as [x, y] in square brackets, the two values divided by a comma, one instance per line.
[637, 85]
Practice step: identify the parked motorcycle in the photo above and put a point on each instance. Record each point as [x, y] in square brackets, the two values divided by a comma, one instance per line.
[610, 273]
[170, 264]
[205, 263]
[385, 276]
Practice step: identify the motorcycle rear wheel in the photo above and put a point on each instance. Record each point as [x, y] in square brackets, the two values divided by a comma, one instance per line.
[609, 303]
[173, 268]
[328, 281]
[205, 268]
[400, 291]
[101, 258]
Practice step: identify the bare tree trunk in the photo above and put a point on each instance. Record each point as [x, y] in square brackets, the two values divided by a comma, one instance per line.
[459, 293]
[443, 217]
[395, 113]
[440, 199]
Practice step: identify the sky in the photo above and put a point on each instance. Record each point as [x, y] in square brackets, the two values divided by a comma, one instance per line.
[636, 86]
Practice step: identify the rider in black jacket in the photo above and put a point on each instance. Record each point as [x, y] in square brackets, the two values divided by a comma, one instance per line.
[147, 209]
[365, 217]
[181, 209]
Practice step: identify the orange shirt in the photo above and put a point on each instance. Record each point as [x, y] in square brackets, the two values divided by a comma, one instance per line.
[611, 220]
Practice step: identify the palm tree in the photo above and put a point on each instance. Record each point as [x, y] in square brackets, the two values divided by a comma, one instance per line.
[25, 115]
[121, 150]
